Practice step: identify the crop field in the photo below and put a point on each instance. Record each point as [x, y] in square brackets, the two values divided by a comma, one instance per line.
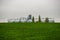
[29, 31]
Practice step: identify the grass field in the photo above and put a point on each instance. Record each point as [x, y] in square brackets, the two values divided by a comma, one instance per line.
[29, 31]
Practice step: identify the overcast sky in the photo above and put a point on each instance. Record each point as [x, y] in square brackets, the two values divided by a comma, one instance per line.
[22, 8]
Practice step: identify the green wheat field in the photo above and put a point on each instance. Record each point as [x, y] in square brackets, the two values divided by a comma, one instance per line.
[29, 31]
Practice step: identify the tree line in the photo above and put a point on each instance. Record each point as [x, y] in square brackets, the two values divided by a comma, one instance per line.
[39, 19]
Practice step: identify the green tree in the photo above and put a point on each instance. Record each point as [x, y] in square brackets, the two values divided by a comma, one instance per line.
[47, 20]
[39, 19]
[33, 19]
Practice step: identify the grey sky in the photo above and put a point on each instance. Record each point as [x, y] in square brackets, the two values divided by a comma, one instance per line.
[22, 8]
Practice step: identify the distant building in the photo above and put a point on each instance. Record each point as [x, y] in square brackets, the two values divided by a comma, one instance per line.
[51, 20]
[10, 20]
[13, 20]
[22, 19]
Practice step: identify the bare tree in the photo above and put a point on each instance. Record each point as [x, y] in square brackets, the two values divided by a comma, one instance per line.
[47, 19]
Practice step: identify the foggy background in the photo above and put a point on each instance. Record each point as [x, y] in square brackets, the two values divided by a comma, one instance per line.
[22, 8]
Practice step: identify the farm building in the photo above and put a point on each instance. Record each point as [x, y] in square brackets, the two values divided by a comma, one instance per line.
[22, 19]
